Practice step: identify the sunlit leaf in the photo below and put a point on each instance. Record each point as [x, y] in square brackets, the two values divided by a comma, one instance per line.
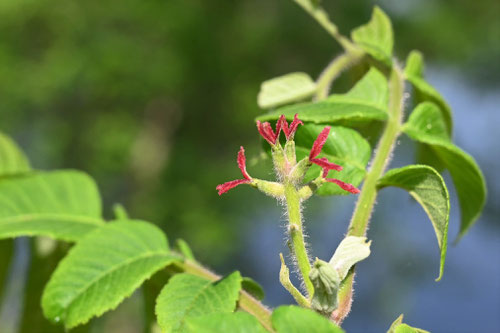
[12, 159]
[427, 187]
[285, 89]
[376, 37]
[293, 319]
[344, 146]
[237, 322]
[63, 204]
[350, 251]
[253, 288]
[187, 296]
[398, 327]
[366, 101]
[424, 91]
[467, 177]
[104, 268]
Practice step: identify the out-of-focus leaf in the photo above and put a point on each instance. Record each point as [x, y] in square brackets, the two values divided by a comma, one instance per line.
[350, 251]
[344, 146]
[237, 322]
[366, 101]
[424, 91]
[285, 89]
[63, 204]
[183, 247]
[104, 268]
[186, 296]
[395, 323]
[467, 177]
[293, 319]
[404, 328]
[427, 187]
[12, 159]
[376, 37]
[253, 288]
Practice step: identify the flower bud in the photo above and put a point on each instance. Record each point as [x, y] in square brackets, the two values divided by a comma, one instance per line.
[326, 281]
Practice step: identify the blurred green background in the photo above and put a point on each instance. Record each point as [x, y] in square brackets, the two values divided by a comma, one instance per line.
[153, 99]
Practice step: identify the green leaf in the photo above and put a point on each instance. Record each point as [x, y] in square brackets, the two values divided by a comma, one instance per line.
[376, 37]
[12, 159]
[350, 251]
[425, 92]
[467, 177]
[187, 296]
[237, 322]
[253, 288]
[63, 204]
[104, 268]
[344, 146]
[183, 247]
[293, 319]
[427, 187]
[395, 324]
[366, 101]
[285, 89]
[404, 328]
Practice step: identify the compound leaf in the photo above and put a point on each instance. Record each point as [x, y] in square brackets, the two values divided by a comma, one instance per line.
[293, 319]
[467, 177]
[237, 322]
[344, 146]
[376, 37]
[186, 296]
[62, 204]
[285, 89]
[427, 187]
[102, 269]
[366, 101]
[12, 159]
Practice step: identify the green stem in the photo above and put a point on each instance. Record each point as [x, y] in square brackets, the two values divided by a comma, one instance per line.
[366, 201]
[333, 70]
[246, 302]
[296, 232]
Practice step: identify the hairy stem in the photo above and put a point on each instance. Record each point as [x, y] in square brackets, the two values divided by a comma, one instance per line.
[296, 233]
[333, 70]
[246, 302]
[366, 201]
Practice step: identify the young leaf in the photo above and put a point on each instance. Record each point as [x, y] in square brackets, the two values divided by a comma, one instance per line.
[376, 37]
[427, 187]
[104, 268]
[425, 92]
[253, 288]
[187, 296]
[12, 159]
[404, 328]
[366, 101]
[237, 322]
[350, 251]
[395, 323]
[293, 319]
[63, 204]
[285, 89]
[182, 246]
[344, 146]
[467, 177]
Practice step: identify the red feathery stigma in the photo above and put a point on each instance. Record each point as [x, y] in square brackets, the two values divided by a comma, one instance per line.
[318, 144]
[223, 188]
[325, 164]
[267, 132]
[345, 186]
[293, 127]
[242, 163]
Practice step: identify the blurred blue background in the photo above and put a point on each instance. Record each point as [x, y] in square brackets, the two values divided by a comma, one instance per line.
[154, 98]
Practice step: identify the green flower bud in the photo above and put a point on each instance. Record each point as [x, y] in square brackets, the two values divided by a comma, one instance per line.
[326, 281]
